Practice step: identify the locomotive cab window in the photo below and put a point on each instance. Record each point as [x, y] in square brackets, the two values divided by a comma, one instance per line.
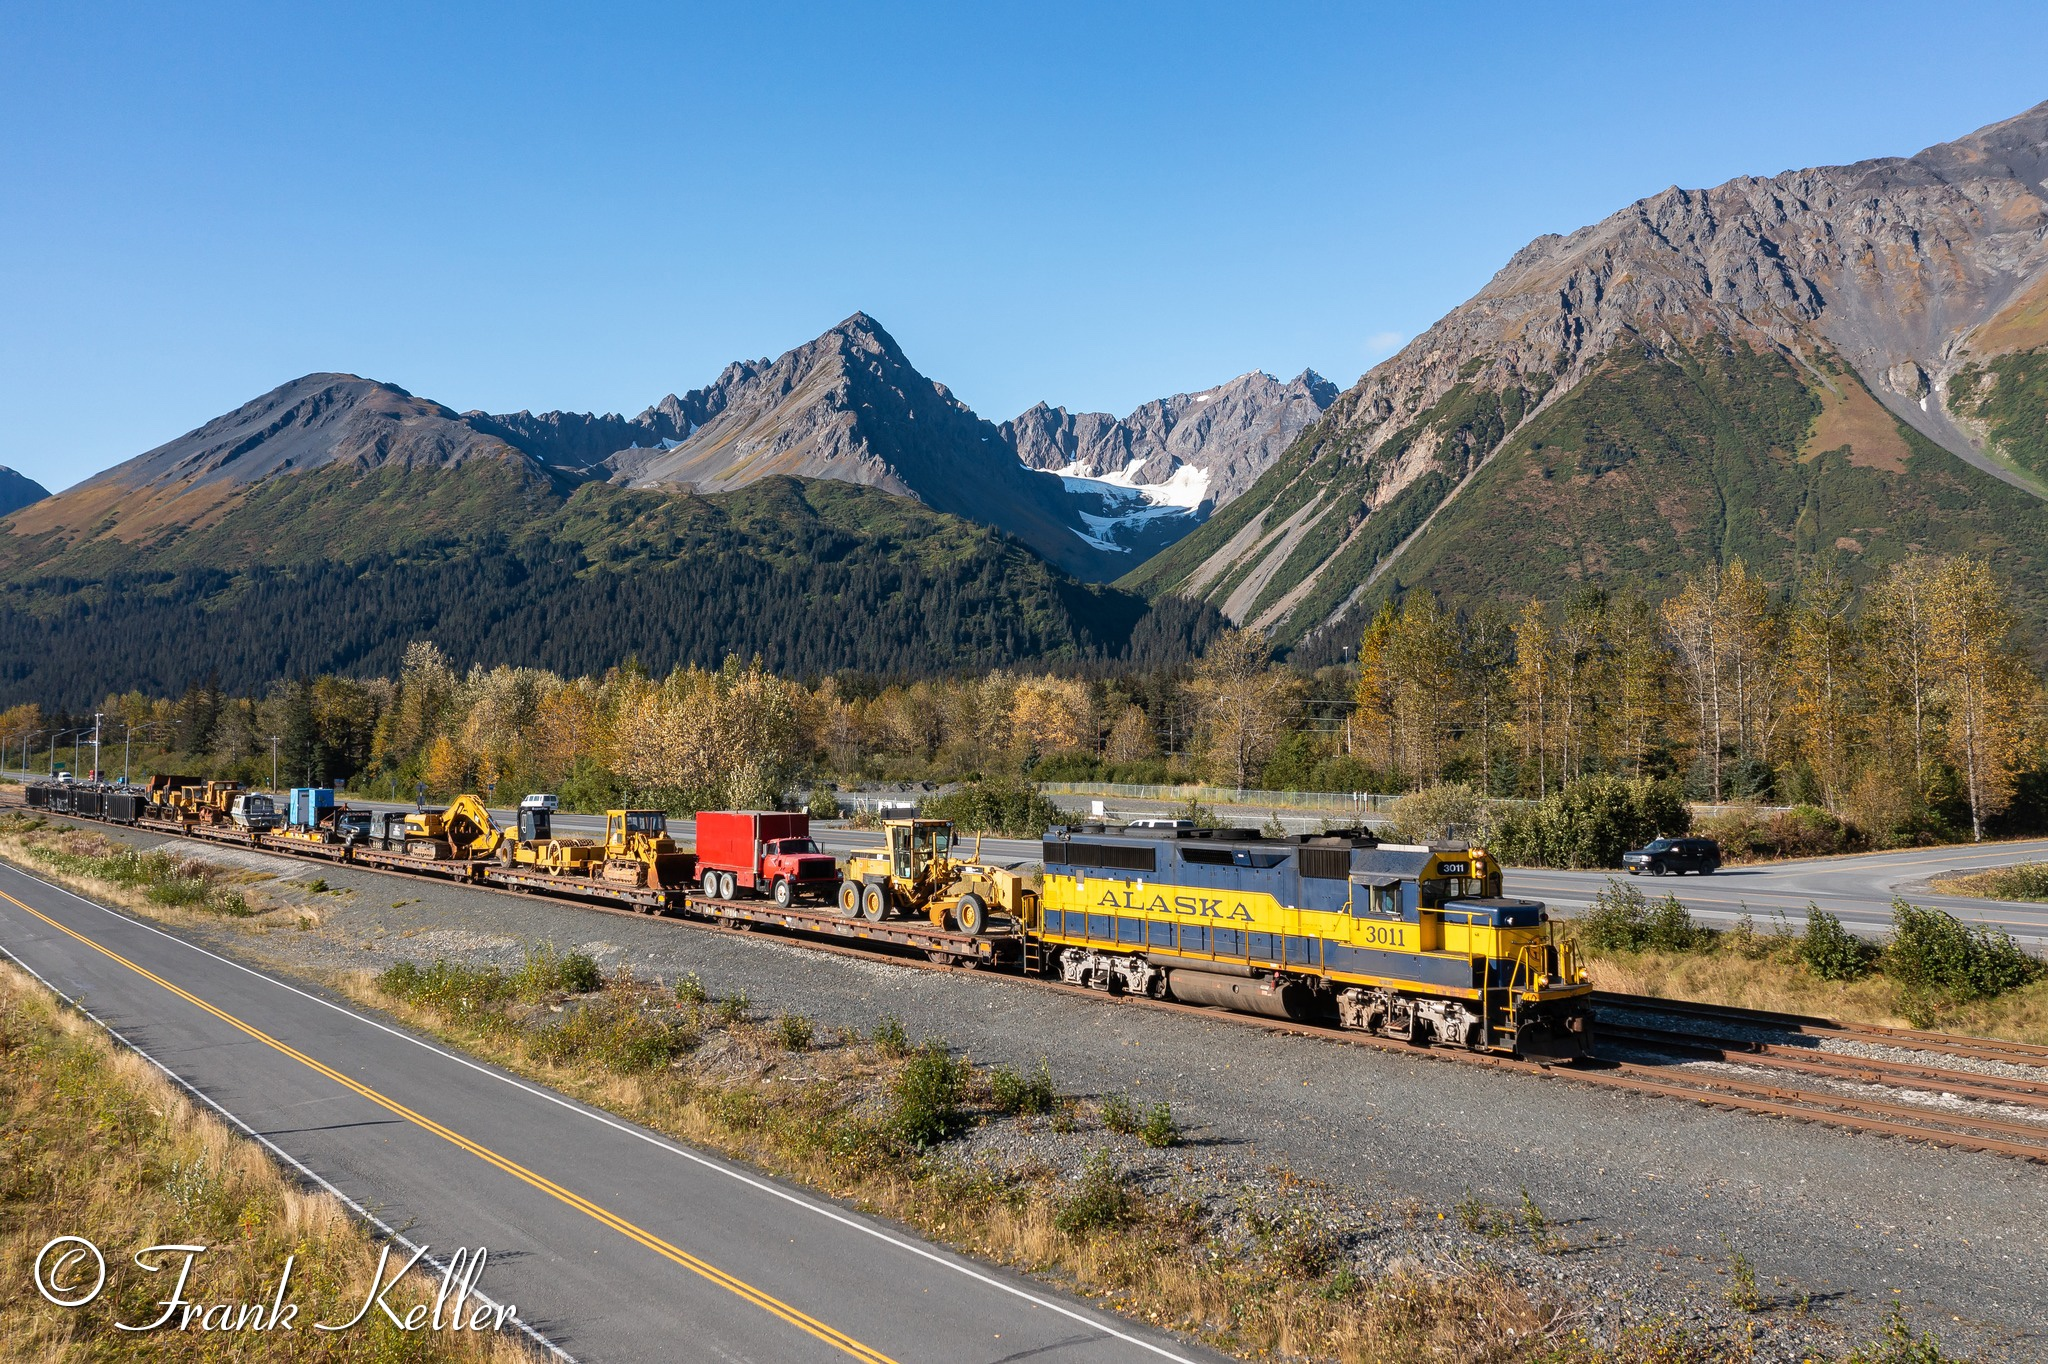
[1379, 897]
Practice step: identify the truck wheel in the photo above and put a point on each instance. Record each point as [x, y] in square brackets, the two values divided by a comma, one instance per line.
[873, 904]
[849, 899]
[728, 887]
[784, 893]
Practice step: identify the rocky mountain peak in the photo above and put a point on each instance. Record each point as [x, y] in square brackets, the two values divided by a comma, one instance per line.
[1887, 279]
[18, 491]
[1224, 437]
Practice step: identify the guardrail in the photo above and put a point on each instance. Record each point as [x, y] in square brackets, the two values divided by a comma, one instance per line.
[1350, 802]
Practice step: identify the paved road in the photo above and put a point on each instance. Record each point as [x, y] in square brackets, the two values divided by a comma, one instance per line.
[1857, 889]
[614, 1243]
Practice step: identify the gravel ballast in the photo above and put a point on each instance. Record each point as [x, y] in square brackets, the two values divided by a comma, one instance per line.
[1652, 1197]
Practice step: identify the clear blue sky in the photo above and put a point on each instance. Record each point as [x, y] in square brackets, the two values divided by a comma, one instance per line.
[518, 205]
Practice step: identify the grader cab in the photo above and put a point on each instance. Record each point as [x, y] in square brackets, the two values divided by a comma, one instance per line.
[917, 874]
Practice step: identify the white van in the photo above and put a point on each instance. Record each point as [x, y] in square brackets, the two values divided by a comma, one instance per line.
[539, 801]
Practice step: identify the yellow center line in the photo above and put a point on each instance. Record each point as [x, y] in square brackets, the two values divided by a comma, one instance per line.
[766, 1302]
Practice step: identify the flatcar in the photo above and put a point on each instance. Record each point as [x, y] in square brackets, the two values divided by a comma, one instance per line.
[1403, 940]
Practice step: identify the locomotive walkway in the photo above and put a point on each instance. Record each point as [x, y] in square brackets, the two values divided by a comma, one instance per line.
[613, 1242]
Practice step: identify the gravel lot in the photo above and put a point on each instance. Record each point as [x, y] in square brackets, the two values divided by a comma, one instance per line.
[1651, 1195]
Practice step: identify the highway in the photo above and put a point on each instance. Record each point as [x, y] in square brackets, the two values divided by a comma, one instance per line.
[613, 1242]
[1857, 889]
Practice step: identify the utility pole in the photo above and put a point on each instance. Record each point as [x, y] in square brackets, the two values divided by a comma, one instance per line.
[273, 762]
[98, 717]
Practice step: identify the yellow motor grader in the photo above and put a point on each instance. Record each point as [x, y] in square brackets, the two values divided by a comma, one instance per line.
[917, 874]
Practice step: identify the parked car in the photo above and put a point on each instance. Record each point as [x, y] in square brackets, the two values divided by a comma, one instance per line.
[1673, 857]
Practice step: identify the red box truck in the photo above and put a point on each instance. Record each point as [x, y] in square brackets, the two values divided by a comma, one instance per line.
[762, 852]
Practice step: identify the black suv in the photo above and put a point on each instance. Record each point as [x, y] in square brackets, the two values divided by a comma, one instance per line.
[1673, 857]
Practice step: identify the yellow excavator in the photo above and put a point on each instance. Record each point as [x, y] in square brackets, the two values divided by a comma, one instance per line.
[918, 874]
[463, 832]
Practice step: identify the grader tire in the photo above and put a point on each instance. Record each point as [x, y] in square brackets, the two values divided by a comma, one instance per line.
[873, 904]
[849, 899]
[971, 913]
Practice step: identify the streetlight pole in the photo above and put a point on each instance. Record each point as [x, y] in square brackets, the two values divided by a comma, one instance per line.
[273, 762]
[97, 717]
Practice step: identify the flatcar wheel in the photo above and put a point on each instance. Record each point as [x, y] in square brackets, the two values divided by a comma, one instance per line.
[873, 905]
[849, 899]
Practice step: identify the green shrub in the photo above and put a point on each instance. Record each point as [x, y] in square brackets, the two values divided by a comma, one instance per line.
[448, 987]
[1014, 1093]
[1898, 1345]
[1481, 1218]
[1670, 928]
[1119, 1115]
[890, 1038]
[1447, 810]
[928, 1094]
[1743, 1294]
[547, 971]
[1591, 822]
[1618, 919]
[1000, 808]
[1802, 831]
[690, 990]
[1938, 960]
[1159, 1129]
[1099, 1199]
[793, 1032]
[823, 804]
[2027, 881]
[617, 1035]
[1830, 951]
[732, 1010]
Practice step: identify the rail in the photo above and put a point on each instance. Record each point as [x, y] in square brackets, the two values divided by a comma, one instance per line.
[1930, 1100]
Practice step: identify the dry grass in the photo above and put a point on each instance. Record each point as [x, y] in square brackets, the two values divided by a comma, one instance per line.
[822, 1117]
[1773, 983]
[1850, 416]
[70, 857]
[100, 1145]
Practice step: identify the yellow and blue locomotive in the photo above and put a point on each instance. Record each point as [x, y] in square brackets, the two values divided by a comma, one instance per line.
[1397, 939]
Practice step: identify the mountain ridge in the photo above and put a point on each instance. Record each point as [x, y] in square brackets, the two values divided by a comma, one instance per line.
[1886, 270]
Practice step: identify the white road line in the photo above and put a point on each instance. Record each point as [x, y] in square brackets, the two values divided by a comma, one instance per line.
[281, 1155]
[651, 1139]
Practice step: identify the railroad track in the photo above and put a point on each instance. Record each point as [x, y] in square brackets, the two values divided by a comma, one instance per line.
[1795, 1075]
